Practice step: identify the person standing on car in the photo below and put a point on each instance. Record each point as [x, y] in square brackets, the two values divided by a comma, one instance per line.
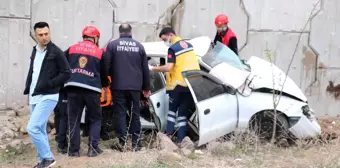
[48, 71]
[224, 34]
[89, 75]
[181, 57]
[130, 75]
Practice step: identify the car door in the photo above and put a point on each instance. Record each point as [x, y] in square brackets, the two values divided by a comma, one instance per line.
[216, 105]
[159, 99]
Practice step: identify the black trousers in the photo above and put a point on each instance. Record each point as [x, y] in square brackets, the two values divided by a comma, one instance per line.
[61, 121]
[125, 101]
[107, 123]
[78, 98]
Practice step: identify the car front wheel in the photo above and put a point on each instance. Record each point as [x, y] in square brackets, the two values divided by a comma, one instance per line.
[266, 122]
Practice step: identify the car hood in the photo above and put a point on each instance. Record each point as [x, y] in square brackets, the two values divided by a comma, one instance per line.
[267, 75]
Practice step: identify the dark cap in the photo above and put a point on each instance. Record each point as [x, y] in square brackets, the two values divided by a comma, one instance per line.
[125, 28]
[166, 30]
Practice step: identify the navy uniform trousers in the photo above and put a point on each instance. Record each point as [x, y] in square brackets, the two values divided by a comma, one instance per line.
[61, 121]
[78, 98]
[180, 100]
[126, 100]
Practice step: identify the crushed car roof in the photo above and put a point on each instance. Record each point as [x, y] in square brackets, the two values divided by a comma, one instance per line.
[160, 49]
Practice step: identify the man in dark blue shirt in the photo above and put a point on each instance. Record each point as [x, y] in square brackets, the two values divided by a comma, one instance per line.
[130, 75]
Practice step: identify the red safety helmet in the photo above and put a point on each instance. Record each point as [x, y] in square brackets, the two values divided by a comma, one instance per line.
[91, 31]
[221, 19]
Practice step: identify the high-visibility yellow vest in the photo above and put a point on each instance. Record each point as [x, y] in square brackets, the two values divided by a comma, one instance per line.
[186, 59]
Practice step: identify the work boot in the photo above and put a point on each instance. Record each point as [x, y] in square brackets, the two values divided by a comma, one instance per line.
[74, 154]
[136, 148]
[105, 136]
[93, 152]
[62, 150]
[121, 147]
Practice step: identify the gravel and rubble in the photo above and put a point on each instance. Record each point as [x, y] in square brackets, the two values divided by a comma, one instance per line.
[13, 132]
[14, 138]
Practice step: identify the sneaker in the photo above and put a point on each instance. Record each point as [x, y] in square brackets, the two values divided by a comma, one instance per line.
[47, 163]
[93, 152]
[37, 165]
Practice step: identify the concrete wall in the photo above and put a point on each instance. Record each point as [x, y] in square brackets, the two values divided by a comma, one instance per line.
[262, 25]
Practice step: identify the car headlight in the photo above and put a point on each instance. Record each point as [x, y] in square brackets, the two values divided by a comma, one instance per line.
[306, 111]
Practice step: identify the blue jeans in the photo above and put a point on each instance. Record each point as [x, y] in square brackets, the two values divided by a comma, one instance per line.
[36, 127]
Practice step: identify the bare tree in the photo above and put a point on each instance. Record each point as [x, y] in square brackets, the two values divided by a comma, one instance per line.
[269, 55]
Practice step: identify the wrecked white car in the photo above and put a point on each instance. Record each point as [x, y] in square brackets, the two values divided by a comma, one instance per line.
[234, 95]
[230, 95]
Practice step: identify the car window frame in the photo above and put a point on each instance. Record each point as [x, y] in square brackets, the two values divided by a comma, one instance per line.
[206, 77]
[212, 54]
[159, 74]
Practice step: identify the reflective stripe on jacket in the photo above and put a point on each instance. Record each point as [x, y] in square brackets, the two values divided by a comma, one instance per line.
[84, 59]
[186, 59]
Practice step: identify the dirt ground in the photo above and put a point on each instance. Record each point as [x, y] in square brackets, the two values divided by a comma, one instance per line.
[315, 154]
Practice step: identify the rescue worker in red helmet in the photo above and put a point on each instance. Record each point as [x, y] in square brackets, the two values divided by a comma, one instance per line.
[89, 76]
[224, 34]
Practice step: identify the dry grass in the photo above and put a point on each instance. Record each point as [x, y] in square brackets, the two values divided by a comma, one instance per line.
[240, 151]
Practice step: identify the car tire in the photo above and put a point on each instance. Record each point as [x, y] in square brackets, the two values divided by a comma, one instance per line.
[263, 125]
[157, 122]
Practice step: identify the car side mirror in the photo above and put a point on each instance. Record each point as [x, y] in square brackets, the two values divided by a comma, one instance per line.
[229, 90]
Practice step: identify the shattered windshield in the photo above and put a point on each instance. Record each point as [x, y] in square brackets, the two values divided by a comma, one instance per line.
[221, 53]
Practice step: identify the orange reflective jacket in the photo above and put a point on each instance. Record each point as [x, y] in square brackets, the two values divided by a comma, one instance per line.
[106, 97]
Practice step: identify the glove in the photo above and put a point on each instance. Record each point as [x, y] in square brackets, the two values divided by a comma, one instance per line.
[146, 93]
[151, 67]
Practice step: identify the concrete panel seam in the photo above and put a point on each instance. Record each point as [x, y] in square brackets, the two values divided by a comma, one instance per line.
[31, 33]
[114, 6]
[15, 17]
[310, 25]
[299, 39]
[331, 68]
[173, 13]
[136, 23]
[112, 3]
[169, 10]
[321, 2]
[277, 31]
[248, 25]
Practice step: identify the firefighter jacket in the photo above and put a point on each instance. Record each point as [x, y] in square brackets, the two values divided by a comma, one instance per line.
[86, 63]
